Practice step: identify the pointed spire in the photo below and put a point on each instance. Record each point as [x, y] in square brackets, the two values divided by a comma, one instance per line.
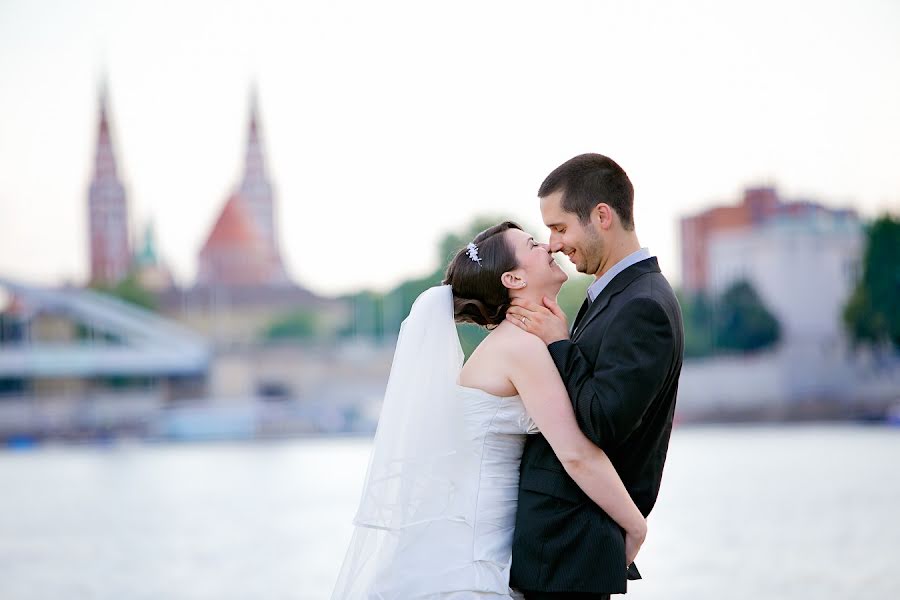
[104, 160]
[254, 165]
[254, 100]
[242, 247]
[108, 225]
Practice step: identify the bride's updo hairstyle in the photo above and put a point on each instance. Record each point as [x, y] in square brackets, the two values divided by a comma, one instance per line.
[478, 295]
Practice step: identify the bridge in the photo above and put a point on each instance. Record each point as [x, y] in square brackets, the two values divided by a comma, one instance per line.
[78, 363]
[125, 339]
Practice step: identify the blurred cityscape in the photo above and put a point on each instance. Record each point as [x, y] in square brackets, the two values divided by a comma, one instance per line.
[790, 311]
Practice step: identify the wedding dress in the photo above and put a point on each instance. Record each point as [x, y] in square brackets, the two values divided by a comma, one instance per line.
[438, 506]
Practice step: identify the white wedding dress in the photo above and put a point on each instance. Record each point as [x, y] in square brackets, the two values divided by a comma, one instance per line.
[438, 509]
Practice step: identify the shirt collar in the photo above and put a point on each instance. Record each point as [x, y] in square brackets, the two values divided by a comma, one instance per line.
[603, 281]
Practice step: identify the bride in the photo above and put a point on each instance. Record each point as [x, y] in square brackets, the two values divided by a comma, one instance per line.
[438, 506]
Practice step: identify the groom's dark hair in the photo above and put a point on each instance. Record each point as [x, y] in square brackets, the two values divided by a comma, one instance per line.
[586, 181]
[478, 295]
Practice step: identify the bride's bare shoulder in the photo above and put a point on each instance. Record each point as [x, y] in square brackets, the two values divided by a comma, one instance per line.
[506, 350]
[517, 342]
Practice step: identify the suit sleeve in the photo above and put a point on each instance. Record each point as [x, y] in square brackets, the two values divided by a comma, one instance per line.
[612, 393]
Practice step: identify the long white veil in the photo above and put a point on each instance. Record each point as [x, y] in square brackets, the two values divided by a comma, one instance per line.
[418, 450]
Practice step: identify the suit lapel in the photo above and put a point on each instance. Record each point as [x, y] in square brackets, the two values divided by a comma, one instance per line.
[581, 311]
[619, 283]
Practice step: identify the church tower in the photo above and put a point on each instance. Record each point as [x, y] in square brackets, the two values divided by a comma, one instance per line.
[110, 256]
[242, 247]
[255, 192]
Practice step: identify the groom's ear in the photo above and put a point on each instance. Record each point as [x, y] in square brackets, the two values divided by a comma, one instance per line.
[512, 280]
[602, 216]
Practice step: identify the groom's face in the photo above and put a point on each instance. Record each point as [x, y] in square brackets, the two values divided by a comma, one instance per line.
[581, 242]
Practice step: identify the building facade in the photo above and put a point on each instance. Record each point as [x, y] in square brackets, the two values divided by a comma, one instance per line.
[758, 206]
[804, 268]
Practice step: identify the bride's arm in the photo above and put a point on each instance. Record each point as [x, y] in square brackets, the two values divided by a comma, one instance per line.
[538, 382]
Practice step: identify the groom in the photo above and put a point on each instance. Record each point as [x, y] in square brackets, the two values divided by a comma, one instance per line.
[620, 364]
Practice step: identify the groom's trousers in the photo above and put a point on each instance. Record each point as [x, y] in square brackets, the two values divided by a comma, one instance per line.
[564, 596]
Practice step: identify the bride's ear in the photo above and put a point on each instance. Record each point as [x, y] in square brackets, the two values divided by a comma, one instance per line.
[513, 280]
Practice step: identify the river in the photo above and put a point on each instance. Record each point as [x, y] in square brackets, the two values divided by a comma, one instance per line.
[745, 512]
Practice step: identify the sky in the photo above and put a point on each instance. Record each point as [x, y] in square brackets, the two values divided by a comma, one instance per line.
[387, 124]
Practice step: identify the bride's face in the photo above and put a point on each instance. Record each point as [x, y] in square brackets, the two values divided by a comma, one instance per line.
[536, 266]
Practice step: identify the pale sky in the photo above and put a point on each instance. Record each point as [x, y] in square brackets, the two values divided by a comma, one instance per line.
[388, 123]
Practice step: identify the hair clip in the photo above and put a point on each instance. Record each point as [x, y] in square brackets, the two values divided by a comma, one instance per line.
[472, 251]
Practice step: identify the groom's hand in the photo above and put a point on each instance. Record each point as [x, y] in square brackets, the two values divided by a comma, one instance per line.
[547, 320]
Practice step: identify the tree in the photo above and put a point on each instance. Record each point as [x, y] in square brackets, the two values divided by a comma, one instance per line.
[872, 313]
[742, 322]
[737, 320]
[572, 295]
[366, 316]
[699, 332]
[378, 316]
[298, 325]
[130, 289]
[452, 242]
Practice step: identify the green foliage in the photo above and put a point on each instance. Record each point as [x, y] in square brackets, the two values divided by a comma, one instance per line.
[470, 336]
[452, 242]
[699, 333]
[736, 321]
[130, 290]
[872, 314]
[298, 325]
[572, 295]
[742, 322]
[378, 316]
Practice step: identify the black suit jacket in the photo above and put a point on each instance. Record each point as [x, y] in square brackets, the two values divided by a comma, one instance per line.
[621, 369]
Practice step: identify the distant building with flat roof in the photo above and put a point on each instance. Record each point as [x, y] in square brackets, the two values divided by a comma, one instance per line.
[803, 259]
[803, 267]
[759, 206]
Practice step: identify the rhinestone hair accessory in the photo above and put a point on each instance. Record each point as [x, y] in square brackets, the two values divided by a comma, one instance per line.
[472, 251]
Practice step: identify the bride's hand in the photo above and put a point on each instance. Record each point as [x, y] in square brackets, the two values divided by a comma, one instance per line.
[633, 542]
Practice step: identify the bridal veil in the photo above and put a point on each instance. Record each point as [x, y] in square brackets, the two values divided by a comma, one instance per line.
[418, 451]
